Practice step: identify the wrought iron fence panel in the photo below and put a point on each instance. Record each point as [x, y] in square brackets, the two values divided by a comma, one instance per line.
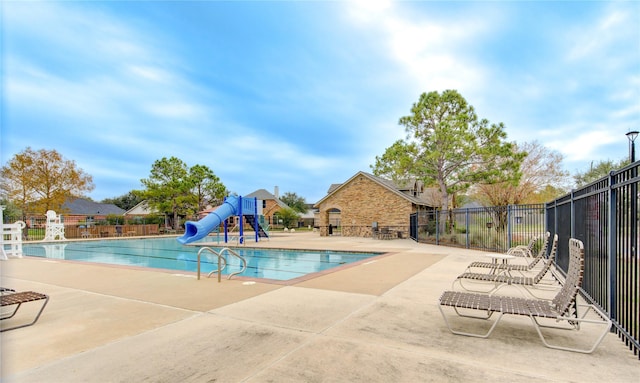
[495, 228]
[604, 215]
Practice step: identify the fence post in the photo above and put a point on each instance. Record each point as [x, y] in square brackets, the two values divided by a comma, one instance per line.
[466, 227]
[437, 228]
[613, 197]
[573, 214]
[555, 217]
[509, 228]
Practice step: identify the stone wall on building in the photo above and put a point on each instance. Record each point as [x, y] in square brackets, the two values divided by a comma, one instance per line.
[361, 203]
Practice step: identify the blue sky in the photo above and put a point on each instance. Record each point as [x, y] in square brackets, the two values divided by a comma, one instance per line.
[303, 94]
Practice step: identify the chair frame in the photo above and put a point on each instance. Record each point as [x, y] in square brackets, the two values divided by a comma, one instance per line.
[563, 307]
[10, 297]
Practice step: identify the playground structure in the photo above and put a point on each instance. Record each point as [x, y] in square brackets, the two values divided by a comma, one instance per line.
[244, 208]
[11, 235]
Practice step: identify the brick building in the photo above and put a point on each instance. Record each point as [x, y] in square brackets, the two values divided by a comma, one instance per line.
[366, 202]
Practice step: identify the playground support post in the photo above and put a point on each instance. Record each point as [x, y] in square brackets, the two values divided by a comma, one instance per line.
[255, 220]
[241, 223]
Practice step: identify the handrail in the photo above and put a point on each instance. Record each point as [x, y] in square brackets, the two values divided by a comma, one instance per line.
[221, 259]
[235, 254]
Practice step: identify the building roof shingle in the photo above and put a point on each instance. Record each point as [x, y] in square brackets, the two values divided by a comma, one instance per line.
[83, 206]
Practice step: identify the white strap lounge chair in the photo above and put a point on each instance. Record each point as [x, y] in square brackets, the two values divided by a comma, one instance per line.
[561, 312]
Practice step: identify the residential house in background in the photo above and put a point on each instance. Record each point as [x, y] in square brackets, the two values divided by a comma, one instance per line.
[271, 204]
[141, 210]
[85, 211]
[308, 218]
[364, 204]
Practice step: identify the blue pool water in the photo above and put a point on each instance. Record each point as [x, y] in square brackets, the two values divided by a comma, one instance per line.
[167, 253]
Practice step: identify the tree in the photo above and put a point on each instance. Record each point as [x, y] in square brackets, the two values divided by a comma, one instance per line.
[397, 161]
[125, 201]
[600, 170]
[549, 193]
[289, 217]
[37, 181]
[11, 212]
[207, 188]
[175, 189]
[168, 187]
[449, 147]
[295, 202]
[541, 175]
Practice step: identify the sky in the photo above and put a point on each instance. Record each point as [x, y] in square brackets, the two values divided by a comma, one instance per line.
[304, 94]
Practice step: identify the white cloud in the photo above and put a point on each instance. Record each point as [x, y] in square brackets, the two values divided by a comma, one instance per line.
[431, 49]
[368, 10]
[596, 40]
[584, 146]
[261, 151]
[150, 73]
[27, 85]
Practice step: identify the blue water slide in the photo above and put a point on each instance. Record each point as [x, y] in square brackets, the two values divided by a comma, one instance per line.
[194, 231]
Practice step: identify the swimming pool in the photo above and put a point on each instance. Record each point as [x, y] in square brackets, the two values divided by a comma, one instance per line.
[167, 253]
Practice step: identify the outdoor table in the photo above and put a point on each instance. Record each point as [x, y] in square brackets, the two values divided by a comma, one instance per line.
[496, 257]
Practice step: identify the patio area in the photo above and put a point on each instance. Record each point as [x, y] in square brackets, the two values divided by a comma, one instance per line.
[377, 321]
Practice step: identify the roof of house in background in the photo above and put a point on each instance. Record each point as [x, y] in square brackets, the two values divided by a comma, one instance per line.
[83, 206]
[142, 208]
[309, 214]
[264, 195]
[388, 184]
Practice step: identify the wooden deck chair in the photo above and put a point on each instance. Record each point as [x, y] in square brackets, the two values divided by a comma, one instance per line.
[9, 298]
[491, 282]
[561, 312]
[542, 253]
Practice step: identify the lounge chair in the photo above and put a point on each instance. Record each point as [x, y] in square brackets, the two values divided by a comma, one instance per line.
[527, 250]
[9, 297]
[518, 251]
[499, 280]
[563, 308]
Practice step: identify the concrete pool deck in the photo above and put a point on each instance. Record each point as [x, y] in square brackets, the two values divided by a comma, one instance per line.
[377, 321]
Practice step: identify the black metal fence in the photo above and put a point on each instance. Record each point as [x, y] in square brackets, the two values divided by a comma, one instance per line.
[494, 228]
[604, 216]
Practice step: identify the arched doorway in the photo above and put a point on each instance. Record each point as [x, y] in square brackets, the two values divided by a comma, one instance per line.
[331, 222]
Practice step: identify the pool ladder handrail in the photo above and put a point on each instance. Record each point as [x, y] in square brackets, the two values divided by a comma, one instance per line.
[235, 254]
[222, 259]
